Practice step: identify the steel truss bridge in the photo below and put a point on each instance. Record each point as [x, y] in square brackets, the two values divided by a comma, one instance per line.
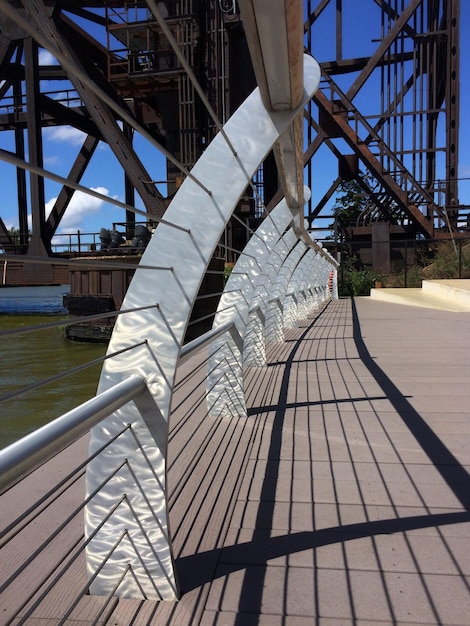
[386, 115]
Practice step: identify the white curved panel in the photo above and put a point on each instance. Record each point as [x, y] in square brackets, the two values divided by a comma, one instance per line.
[298, 285]
[283, 217]
[141, 518]
[311, 261]
[244, 302]
[274, 330]
[290, 318]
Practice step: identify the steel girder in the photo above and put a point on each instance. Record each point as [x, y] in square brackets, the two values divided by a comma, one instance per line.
[43, 21]
[413, 79]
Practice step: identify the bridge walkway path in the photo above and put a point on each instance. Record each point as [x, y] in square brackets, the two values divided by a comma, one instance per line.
[352, 499]
[344, 497]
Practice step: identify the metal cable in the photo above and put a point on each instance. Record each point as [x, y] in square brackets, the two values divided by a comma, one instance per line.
[35, 169]
[78, 368]
[56, 492]
[71, 322]
[83, 263]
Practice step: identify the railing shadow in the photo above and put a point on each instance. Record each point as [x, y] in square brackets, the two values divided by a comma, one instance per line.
[455, 476]
[261, 542]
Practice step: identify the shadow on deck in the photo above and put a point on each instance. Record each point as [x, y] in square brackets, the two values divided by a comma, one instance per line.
[343, 498]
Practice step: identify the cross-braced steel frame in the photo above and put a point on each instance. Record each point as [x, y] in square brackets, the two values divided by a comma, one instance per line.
[391, 117]
[388, 107]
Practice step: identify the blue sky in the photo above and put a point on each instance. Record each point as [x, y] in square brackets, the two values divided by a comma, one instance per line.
[89, 214]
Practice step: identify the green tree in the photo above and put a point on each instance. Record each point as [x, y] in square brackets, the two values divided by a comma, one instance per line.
[351, 201]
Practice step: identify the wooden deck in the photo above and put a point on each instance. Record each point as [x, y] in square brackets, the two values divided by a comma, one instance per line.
[343, 499]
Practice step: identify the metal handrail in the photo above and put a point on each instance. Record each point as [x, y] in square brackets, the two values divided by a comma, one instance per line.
[194, 346]
[30, 452]
[24, 456]
[197, 217]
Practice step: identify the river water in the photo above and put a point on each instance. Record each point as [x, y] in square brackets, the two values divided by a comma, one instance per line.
[28, 358]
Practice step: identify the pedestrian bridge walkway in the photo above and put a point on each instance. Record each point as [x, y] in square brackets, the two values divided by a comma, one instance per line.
[343, 498]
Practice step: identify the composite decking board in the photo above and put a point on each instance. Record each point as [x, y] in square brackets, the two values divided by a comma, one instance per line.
[340, 497]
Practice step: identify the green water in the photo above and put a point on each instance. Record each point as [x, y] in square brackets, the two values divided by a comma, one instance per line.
[28, 358]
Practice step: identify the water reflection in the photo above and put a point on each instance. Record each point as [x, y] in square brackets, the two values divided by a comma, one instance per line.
[26, 359]
[32, 300]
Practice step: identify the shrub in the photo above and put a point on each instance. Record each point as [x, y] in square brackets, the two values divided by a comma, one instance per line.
[446, 261]
[362, 281]
[356, 282]
[228, 267]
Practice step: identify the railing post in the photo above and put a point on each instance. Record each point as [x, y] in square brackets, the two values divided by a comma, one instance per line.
[254, 353]
[290, 300]
[275, 312]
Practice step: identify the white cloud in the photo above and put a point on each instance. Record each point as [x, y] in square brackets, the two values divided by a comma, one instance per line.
[46, 58]
[10, 222]
[81, 208]
[52, 160]
[66, 134]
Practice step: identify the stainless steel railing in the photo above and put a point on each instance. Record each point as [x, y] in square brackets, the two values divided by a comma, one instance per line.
[43, 504]
[126, 539]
